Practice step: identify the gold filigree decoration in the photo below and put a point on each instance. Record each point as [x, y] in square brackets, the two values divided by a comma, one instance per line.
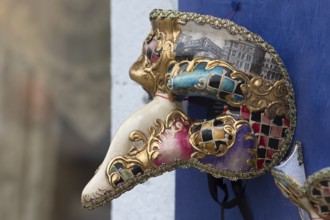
[201, 84]
[253, 162]
[152, 76]
[317, 189]
[289, 187]
[311, 196]
[191, 65]
[300, 152]
[226, 136]
[138, 159]
[260, 94]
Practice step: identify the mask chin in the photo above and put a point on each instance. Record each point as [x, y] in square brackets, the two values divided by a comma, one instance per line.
[98, 190]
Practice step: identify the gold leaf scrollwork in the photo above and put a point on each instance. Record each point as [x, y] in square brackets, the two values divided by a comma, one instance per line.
[318, 186]
[152, 75]
[138, 159]
[230, 129]
[289, 191]
[260, 94]
[201, 84]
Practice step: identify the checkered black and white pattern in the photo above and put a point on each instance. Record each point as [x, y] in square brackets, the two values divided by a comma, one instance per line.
[209, 137]
[270, 133]
[321, 193]
[150, 50]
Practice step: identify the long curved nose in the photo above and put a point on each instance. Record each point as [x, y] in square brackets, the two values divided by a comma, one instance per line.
[99, 190]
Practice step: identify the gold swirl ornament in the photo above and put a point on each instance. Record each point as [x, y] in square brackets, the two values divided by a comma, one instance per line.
[215, 137]
[260, 94]
[140, 158]
[311, 195]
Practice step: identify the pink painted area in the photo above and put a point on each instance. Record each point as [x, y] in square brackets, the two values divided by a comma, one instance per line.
[270, 153]
[256, 127]
[265, 120]
[326, 191]
[153, 44]
[263, 141]
[276, 132]
[245, 113]
[154, 58]
[145, 48]
[174, 144]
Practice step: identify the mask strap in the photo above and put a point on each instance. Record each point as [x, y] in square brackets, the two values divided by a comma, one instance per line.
[239, 199]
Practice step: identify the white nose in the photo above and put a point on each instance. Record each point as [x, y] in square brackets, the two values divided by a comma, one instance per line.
[99, 190]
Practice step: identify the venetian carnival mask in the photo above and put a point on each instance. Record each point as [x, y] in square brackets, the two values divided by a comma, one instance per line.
[312, 196]
[188, 55]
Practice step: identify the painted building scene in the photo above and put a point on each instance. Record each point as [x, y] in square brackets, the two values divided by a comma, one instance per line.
[242, 55]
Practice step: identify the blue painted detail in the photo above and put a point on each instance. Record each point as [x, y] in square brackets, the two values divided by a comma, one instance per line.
[237, 98]
[187, 81]
[227, 84]
[203, 82]
[299, 31]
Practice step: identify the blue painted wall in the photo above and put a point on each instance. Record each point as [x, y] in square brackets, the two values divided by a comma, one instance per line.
[299, 30]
